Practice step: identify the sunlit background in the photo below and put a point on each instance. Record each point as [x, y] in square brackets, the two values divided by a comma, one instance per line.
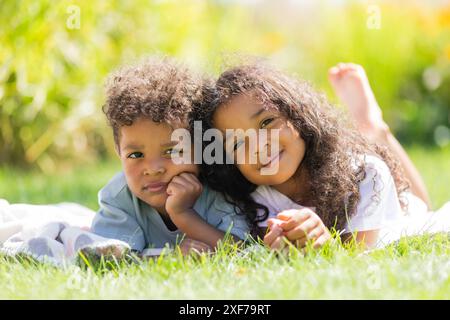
[55, 145]
[55, 56]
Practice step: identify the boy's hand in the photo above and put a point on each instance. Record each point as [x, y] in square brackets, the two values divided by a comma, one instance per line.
[189, 246]
[302, 225]
[183, 191]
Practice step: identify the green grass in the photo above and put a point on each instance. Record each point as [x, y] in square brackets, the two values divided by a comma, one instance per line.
[415, 268]
[434, 166]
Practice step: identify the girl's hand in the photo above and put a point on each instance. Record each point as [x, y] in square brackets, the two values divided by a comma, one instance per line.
[302, 225]
[189, 246]
[183, 191]
[274, 238]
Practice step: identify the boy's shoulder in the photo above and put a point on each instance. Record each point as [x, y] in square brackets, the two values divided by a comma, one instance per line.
[116, 187]
[210, 195]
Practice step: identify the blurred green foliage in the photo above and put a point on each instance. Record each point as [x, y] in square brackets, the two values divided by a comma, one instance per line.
[55, 56]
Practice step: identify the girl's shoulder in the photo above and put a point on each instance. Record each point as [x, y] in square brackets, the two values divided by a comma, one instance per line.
[373, 165]
[378, 183]
[262, 192]
[378, 203]
[377, 175]
[271, 198]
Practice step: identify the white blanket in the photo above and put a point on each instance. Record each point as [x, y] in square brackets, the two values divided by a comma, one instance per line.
[52, 233]
[418, 221]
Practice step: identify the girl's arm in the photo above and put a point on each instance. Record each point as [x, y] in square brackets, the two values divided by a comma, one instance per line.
[300, 226]
[262, 231]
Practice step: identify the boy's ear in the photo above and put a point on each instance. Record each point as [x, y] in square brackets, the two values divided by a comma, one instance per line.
[117, 149]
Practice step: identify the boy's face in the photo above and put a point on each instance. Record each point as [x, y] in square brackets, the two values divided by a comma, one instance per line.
[145, 150]
[244, 112]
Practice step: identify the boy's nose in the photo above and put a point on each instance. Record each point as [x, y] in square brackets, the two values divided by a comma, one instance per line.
[154, 168]
[152, 172]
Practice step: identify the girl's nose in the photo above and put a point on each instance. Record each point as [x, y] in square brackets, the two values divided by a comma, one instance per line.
[268, 144]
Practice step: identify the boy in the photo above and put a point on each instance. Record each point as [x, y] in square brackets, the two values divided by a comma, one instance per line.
[155, 201]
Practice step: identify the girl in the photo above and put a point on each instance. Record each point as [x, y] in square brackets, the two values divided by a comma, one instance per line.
[340, 179]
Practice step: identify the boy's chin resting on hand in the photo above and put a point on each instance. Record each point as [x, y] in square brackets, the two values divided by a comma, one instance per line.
[183, 191]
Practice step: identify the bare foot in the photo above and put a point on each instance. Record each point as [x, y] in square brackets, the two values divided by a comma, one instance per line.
[108, 249]
[351, 85]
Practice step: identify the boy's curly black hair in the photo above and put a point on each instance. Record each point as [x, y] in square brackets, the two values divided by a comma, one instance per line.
[332, 144]
[157, 88]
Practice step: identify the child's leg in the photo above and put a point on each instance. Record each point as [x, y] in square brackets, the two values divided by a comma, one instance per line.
[351, 85]
[39, 244]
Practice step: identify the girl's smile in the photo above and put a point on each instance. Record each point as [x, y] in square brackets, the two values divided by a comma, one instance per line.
[273, 161]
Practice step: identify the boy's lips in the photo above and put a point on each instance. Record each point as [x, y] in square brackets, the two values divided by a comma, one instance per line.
[155, 187]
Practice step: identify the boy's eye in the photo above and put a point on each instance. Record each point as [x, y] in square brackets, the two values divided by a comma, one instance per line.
[135, 155]
[266, 122]
[173, 151]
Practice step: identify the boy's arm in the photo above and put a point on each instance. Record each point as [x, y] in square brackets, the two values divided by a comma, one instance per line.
[186, 247]
[184, 190]
[196, 228]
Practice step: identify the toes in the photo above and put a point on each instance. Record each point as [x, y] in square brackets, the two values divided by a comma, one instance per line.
[340, 69]
[354, 66]
[357, 69]
[345, 67]
[333, 73]
[342, 66]
[333, 70]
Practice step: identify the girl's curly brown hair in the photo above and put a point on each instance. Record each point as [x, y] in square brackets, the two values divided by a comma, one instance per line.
[332, 143]
[157, 88]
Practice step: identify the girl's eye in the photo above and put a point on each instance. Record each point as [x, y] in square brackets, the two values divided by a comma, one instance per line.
[266, 122]
[135, 155]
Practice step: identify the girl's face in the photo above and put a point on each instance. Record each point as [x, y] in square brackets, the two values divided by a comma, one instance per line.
[245, 112]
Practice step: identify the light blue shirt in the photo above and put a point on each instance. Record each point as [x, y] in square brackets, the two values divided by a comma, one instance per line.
[124, 217]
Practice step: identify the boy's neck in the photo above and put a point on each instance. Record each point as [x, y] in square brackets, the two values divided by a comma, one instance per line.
[166, 219]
